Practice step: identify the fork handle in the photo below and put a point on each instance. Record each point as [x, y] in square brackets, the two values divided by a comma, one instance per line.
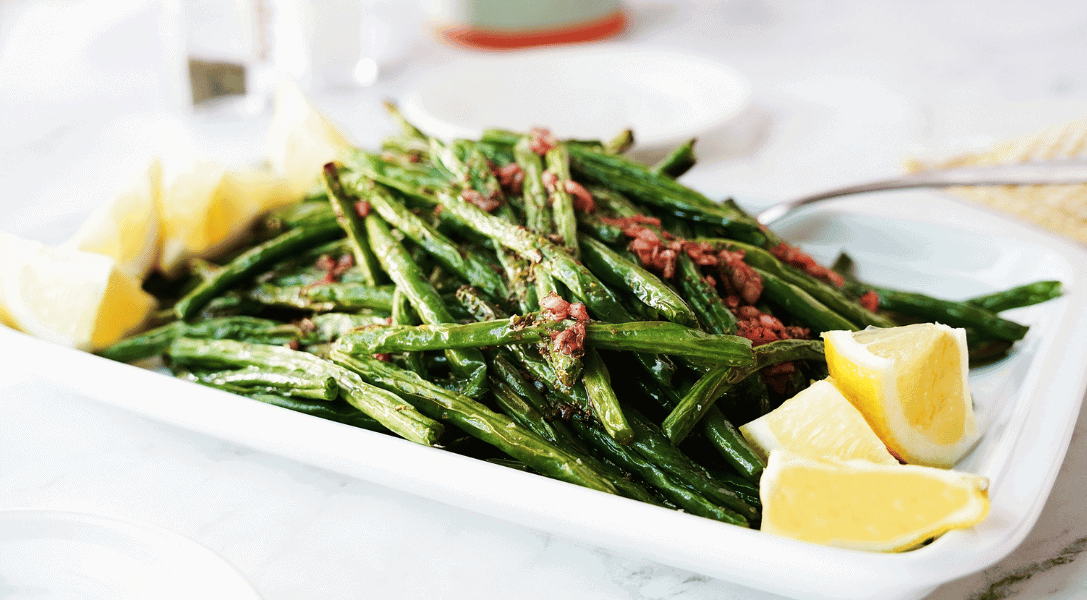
[1028, 173]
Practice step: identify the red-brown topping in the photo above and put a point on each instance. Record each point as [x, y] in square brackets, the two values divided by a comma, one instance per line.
[583, 200]
[479, 201]
[571, 340]
[550, 180]
[511, 178]
[334, 269]
[870, 300]
[795, 257]
[541, 141]
[362, 208]
[738, 277]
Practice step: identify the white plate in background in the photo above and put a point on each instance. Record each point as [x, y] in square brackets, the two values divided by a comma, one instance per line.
[1023, 444]
[584, 92]
[48, 554]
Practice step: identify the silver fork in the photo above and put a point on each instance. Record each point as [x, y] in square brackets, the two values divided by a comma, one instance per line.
[1061, 172]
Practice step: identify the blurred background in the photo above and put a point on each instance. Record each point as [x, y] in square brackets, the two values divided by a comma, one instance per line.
[869, 83]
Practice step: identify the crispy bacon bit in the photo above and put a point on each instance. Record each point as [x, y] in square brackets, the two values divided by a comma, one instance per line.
[569, 341]
[762, 328]
[738, 277]
[702, 253]
[511, 178]
[383, 356]
[334, 269]
[362, 208]
[554, 308]
[630, 226]
[550, 180]
[870, 300]
[541, 141]
[293, 345]
[797, 258]
[577, 311]
[583, 200]
[325, 262]
[307, 325]
[475, 198]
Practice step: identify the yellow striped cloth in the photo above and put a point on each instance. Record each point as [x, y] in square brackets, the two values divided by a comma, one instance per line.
[1059, 208]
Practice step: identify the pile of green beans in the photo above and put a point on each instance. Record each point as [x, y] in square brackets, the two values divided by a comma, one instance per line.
[494, 290]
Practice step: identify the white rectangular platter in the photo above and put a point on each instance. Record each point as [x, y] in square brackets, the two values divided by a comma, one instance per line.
[1027, 407]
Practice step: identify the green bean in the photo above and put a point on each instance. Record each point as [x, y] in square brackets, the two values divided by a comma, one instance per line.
[670, 338]
[537, 206]
[385, 407]
[802, 305]
[637, 181]
[831, 297]
[537, 249]
[479, 421]
[441, 249]
[330, 326]
[617, 271]
[336, 410]
[348, 216]
[678, 161]
[623, 141]
[299, 214]
[242, 328]
[562, 203]
[407, 129]
[288, 382]
[954, 314]
[1023, 295]
[704, 300]
[681, 496]
[655, 447]
[637, 336]
[466, 364]
[602, 399]
[325, 297]
[252, 262]
[710, 386]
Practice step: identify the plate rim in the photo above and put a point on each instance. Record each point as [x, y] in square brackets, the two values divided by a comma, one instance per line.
[413, 107]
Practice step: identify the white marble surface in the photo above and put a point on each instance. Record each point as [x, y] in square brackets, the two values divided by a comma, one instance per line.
[843, 91]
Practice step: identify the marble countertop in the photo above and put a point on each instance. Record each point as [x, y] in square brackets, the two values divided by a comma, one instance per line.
[843, 91]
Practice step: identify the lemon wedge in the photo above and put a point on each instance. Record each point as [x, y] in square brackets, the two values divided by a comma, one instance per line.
[862, 505]
[300, 139]
[911, 383]
[68, 296]
[818, 422]
[127, 228]
[206, 209]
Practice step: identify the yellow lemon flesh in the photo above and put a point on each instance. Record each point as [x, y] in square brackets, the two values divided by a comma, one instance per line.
[818, 422]
[300, 139]
[862, 505]
[911, 383]
[206, 209]
[67, 296]
[127, 228]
